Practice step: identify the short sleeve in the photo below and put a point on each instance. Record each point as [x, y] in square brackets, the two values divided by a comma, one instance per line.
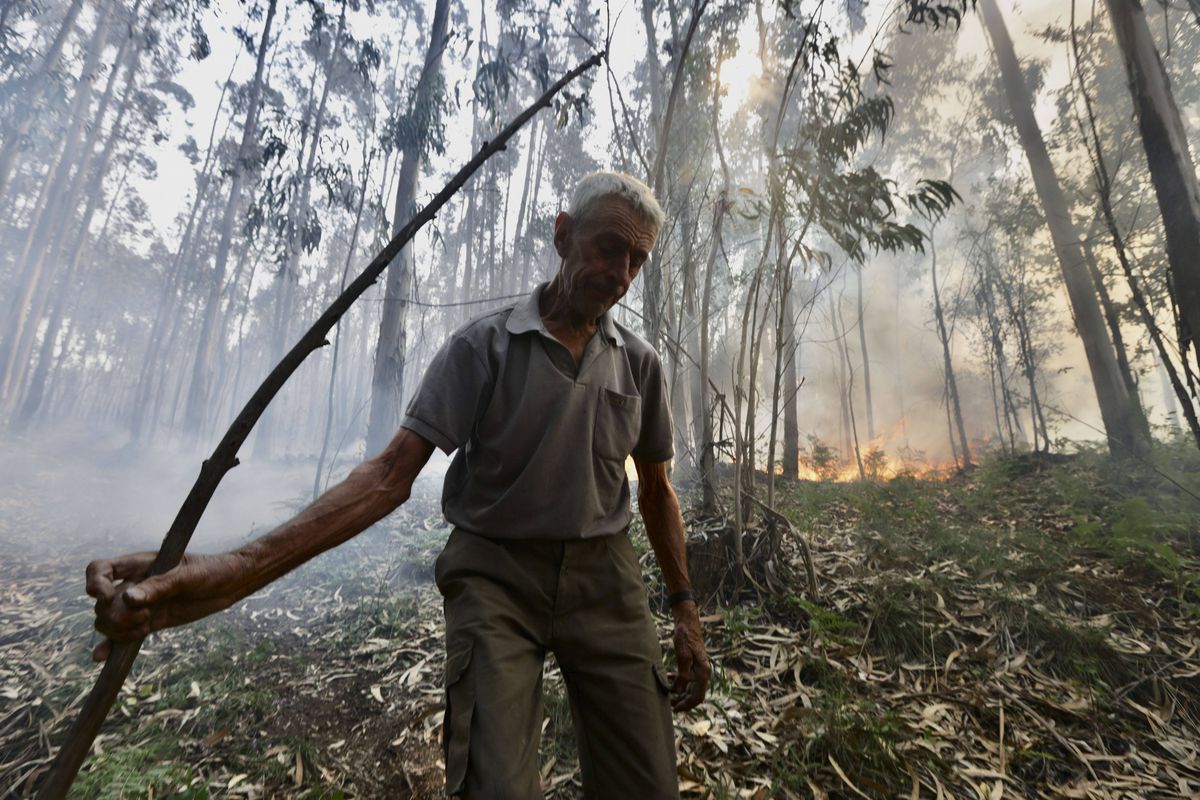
[451, 397]
[655, 442]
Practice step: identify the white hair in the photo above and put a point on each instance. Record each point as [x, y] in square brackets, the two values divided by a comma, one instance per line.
[595, 187]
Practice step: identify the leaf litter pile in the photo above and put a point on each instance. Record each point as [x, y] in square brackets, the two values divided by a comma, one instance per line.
[1028, 630]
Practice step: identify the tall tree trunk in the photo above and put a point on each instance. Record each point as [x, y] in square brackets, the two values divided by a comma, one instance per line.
[387, 383]
[521, 238]
[199, 393]
[368, 155]
[1112, 316]
[846, 386]
[953, 406]
[1171, 168]
[1126, 430]
[1018, 313]
[16, 131]
[1103, 182]
[791, 391]
[866, 358]
[703, 410]
[151, 374]
[652, 287]
[41, 241]
[526, 282]
[289, 277]
[996, 341]
[685, 344]
[703, 403]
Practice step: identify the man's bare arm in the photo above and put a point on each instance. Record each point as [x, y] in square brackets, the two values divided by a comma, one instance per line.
[129, 605]
[664, 529]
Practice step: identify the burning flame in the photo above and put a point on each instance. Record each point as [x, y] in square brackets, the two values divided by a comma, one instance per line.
[825, 463]
[886, 470]
[822, 462]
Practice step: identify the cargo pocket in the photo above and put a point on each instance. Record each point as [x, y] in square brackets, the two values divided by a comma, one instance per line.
[456, 722]
[618, 423]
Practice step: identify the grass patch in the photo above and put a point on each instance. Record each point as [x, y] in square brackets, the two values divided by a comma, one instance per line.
[149, 767]
[386, 617]
[1067, 650]
[905, 622]
[826, 625]
[861, 737]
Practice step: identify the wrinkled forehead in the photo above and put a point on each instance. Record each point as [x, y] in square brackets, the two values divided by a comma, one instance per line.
[617, 215]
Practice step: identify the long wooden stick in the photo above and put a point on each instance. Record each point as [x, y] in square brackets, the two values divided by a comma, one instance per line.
[83, 732]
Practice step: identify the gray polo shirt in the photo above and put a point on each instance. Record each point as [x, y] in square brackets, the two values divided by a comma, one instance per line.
[541, 446]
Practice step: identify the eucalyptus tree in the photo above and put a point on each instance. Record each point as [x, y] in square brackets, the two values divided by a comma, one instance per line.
[1124, 426]
[32, 87]
[421, 123]
[341, 65]
[137, 81]
[49, 215]
[1121, 190]
[199, 394]
[1169, 159]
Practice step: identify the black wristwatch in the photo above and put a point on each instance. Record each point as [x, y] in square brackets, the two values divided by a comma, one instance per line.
[679, 597]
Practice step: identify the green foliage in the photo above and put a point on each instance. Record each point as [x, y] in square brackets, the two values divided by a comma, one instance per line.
[739, 619]
[874, 463]
[938, 13]
[153, 767]
[861, 737]
[827, 625]
[388, 616]
[821, 459]
[856, 207]
[905, 623]
[1068, 649]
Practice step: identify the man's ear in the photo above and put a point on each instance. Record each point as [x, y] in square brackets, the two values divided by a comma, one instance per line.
[562, 232]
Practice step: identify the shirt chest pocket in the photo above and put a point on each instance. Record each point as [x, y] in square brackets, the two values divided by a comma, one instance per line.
[618, 423]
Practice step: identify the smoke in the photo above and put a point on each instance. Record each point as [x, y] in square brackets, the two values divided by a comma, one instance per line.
[78, 491]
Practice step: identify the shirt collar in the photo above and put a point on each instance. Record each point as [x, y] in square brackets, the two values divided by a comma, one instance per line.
[526, 317]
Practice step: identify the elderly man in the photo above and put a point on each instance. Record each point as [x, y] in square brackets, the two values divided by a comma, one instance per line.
[541, 403]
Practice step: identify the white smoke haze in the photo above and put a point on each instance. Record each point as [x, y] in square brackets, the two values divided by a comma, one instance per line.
[79, 491]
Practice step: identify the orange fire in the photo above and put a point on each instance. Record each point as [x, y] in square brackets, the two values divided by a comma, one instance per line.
[883, 469]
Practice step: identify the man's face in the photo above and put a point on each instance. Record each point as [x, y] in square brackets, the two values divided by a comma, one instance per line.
[602, 254]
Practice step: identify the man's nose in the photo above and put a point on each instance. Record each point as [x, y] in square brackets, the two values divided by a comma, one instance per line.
[623, 271]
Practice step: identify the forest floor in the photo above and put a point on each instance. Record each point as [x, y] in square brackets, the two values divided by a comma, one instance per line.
[1031, 629]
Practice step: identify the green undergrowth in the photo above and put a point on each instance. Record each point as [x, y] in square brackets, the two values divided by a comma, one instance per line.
[152, 767]
[847, 730]
[1027, 517]
[1047, 557]
[210, 691]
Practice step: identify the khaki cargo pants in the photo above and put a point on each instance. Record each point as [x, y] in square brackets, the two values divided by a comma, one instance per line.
[509, 602]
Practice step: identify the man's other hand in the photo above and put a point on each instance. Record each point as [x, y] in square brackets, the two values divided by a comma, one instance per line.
[130, 605]
[691, 682]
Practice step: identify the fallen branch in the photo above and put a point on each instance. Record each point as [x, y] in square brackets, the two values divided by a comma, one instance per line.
[813, 593]
[83, 732]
